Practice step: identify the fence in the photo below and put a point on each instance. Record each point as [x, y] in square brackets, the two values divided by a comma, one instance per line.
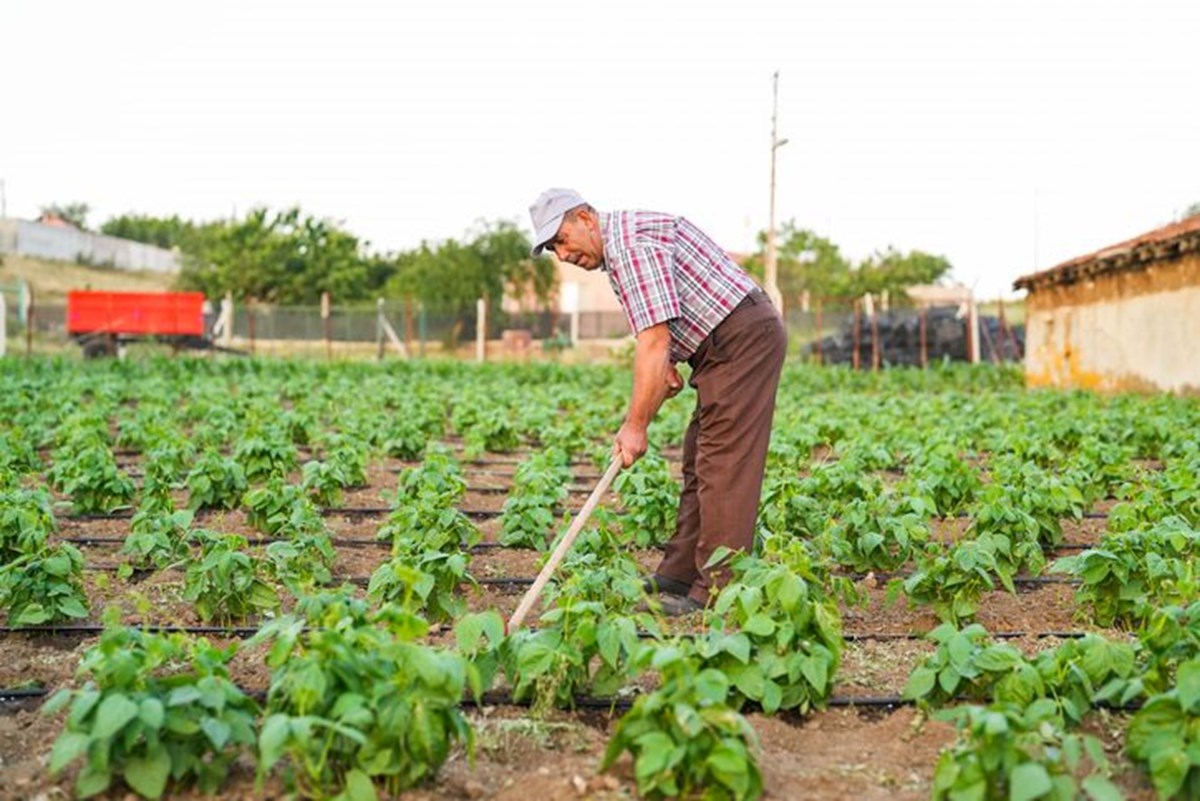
[58, 243]
[830, 331]
[851, 331]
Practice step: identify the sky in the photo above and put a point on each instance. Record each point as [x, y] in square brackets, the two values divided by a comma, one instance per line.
[1006, 136]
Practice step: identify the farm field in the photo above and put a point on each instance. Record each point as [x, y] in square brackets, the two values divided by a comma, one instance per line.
[257, 577]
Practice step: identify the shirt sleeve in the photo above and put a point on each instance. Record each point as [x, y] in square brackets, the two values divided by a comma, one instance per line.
[644, 279]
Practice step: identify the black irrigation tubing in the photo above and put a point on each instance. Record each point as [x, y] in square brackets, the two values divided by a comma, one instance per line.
[87, 629]
[328, 511]
[614, 703]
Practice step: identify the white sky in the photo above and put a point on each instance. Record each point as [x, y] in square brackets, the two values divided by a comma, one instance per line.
[1006, 135]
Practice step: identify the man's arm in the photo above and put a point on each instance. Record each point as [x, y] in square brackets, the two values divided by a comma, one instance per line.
[654, 380]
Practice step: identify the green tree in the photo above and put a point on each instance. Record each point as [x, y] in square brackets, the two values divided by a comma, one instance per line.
[892, 271]
[804, 262]
[283, 257]
[163, 232]
[451, 275]
[75, 213]
[1192, 210]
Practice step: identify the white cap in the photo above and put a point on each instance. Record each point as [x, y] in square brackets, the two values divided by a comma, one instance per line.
[547, 214]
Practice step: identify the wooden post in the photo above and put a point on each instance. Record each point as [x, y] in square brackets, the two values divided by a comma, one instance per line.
[328, 324]
[3, 326]
[924, 338]
[408, 322]
[854, 357]
[480, 330]
[820, 355]
[972, 331]
[421, 326]
[875, 342]
[379, 329]
[1006, 333]
[250, 323]
[29, 312]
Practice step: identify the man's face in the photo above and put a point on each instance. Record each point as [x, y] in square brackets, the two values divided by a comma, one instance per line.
[578, 240]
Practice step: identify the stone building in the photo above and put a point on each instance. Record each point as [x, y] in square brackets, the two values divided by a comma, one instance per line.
[1123, 318]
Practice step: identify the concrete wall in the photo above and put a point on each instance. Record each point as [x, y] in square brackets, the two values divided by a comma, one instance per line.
[27, 238]
[1133, 330]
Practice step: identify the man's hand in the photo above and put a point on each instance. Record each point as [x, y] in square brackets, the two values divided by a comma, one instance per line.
[674, 382]
[630, 444]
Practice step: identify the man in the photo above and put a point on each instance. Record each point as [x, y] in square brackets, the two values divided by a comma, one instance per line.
[686, 300]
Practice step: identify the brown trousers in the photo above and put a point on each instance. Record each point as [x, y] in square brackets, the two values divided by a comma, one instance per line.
[735, 373]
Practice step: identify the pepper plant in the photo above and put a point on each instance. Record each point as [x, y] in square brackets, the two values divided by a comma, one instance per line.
[684, 737]
[225, 584]
[155, 711]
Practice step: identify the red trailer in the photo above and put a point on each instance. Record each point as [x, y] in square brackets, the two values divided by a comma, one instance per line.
[101, 321]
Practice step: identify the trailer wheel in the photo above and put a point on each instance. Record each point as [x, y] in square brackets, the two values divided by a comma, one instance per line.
[99, 347]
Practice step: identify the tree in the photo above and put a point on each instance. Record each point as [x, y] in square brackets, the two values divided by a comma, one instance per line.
[284, 258]
[812, 263]
[804, 262]
[1192, 210]
[75, 213]
[451, 275]
[163, 232]
[893, 272]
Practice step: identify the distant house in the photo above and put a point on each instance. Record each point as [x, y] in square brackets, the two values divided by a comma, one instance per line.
[1123, 318]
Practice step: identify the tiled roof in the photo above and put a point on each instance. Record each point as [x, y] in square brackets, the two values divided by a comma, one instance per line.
[1167, 242]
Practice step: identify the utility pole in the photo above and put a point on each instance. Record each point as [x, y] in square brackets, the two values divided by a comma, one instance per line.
[772, 280]
[3, 201]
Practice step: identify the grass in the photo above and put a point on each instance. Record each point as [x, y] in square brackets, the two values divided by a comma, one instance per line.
[51, 280]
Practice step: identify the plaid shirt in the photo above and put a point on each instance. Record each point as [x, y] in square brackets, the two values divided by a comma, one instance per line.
[664, 269]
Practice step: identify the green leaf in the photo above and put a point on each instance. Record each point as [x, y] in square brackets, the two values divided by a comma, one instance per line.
[273, 739]
[920, 682]
[1188, 678]
[760, 625]
[114, 712]
[1099, 788]
[148, 775]
[69, 746]
[359, 787]
[151, 713]
[217, 731]
[1027, 781]
[712, 686]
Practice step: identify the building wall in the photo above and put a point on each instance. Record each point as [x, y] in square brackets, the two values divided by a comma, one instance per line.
[53, 242]
[1134, 330]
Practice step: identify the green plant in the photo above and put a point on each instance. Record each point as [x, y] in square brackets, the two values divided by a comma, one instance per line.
[156, 539]
[776, 637]
[539, 487]
[155, 709]
[225, 584]
[882, 533]
[684, 738]
[952, 581]
[264, 456]
[26, 522]
[302, 562]
[358, 700]
[577, 648]
[1164, 736]
[964, 664]
[1017, 754]
[939, 474]
[424, 578]
[44, 586]
[94, 482]
[215, 481]
[1134, 572]
[650, 498]
[279, 509]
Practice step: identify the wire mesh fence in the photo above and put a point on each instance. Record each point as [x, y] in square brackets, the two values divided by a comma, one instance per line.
[829, 331]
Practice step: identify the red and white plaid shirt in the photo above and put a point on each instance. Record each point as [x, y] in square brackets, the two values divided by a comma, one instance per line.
[664, 269]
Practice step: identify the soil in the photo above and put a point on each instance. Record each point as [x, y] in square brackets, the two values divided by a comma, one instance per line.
[861, 752]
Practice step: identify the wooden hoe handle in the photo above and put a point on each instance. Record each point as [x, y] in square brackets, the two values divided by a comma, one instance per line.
[564, 545]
